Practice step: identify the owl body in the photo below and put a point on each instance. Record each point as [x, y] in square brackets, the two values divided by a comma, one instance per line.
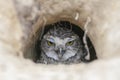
[61, 45]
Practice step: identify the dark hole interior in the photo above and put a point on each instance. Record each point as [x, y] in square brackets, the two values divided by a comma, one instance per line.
[76, 29]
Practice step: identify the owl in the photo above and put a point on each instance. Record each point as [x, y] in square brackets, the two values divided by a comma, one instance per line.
[61, 45]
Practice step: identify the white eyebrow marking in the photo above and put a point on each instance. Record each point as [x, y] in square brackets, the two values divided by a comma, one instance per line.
[71, 39]
[50, 39]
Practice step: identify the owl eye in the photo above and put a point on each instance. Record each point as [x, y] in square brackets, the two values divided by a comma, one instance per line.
[69, 43]
[50, 43]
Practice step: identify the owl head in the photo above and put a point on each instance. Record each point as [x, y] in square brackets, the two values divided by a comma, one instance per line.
[60, 44]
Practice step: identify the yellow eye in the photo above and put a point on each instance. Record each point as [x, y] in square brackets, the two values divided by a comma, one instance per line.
[69, 43]
[50, 43]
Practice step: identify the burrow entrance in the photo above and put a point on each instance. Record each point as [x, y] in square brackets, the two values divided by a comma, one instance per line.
[34, 53]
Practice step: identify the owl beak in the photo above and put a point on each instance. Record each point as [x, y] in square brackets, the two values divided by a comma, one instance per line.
[60, 52]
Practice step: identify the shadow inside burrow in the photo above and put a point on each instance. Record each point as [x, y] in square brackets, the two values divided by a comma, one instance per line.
[77, 30]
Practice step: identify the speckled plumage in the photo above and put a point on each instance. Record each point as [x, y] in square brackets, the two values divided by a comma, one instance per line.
[61, 50]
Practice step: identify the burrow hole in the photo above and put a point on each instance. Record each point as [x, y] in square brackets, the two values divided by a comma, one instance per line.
[76, 29]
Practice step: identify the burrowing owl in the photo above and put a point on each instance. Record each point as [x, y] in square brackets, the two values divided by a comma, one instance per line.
[61, 45]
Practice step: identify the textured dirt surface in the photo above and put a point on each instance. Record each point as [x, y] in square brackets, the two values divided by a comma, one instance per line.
[20, 21]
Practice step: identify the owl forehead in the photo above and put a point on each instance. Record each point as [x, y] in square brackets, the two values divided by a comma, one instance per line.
[60, 35]
[60, 32]
[59, 40]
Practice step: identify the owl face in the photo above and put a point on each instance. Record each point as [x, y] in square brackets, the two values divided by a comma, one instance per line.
[61, 45]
